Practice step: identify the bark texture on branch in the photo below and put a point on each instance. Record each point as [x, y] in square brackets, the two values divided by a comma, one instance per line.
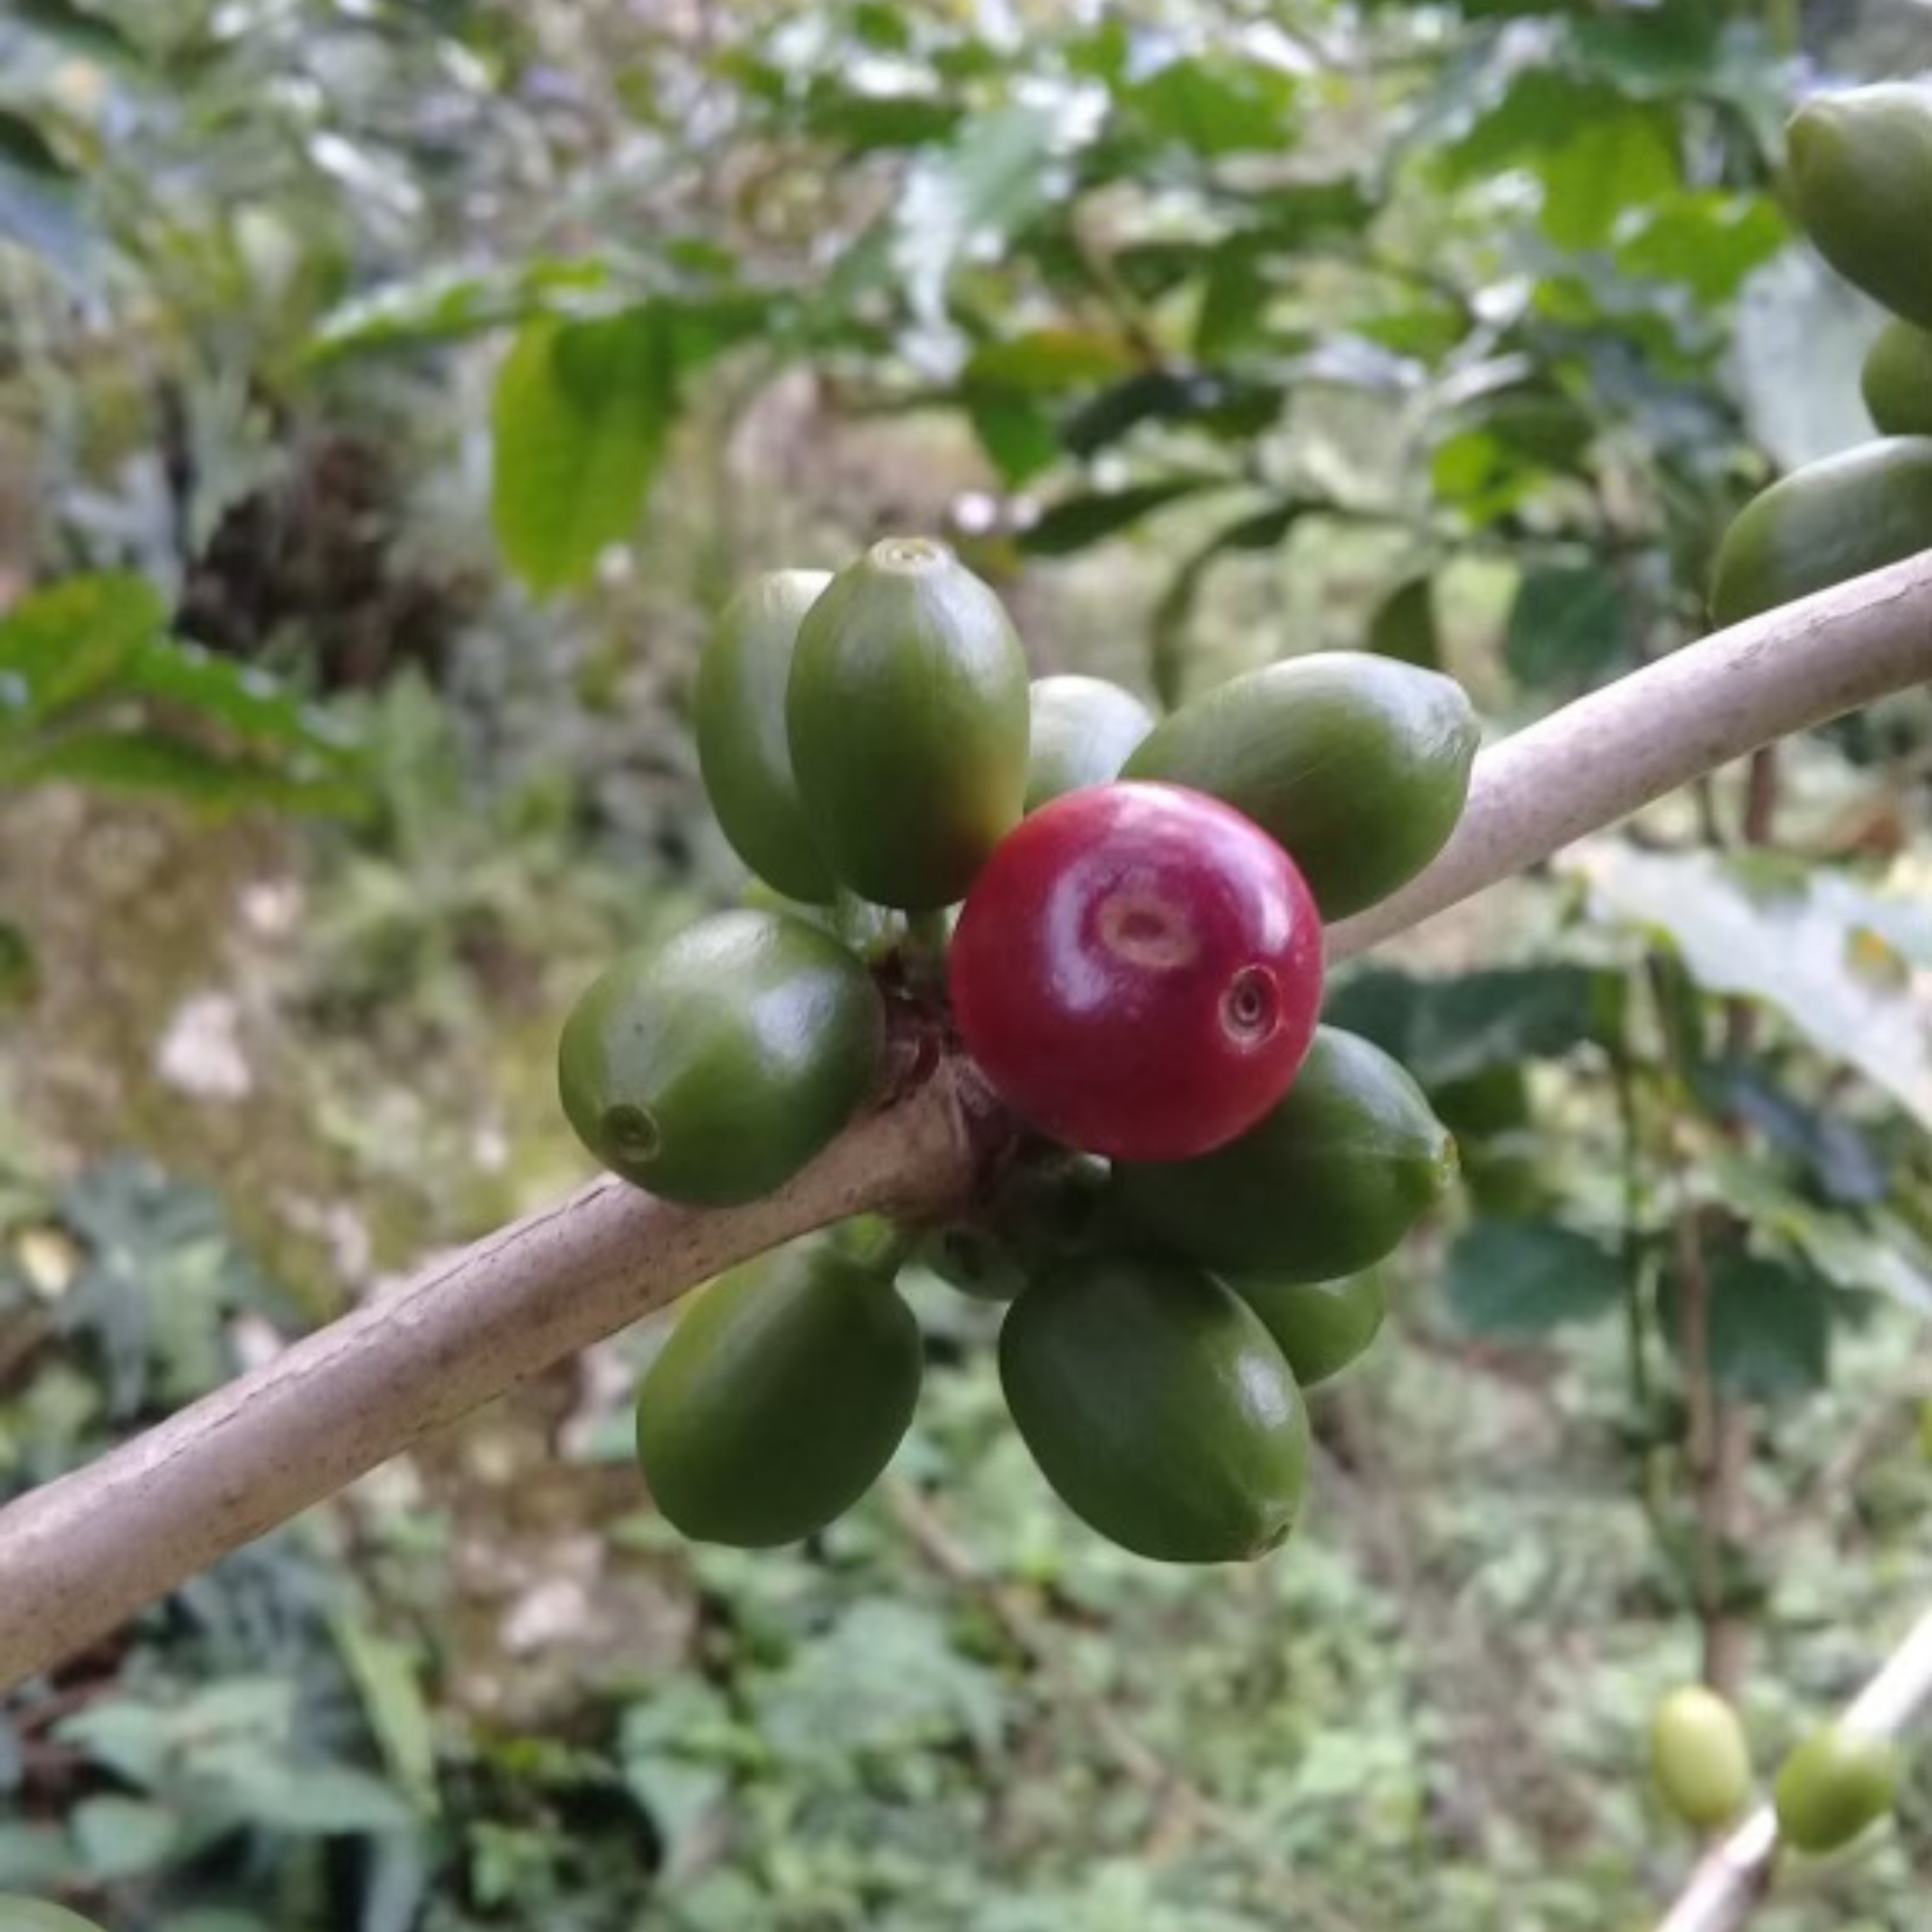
[82, 1554]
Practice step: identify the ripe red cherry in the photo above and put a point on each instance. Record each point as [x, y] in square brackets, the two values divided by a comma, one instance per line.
[1138, 970]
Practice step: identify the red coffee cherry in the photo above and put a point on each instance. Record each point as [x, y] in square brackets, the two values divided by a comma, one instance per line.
[1137, 971]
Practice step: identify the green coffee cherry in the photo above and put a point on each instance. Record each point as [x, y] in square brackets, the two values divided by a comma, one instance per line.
[1083, 731]
[1861, 175]
[1322, 1326]
[907, 719]
[1824, 524]
[1897, 380]
[1835, 1785]
[713, 1067]
[1158, 1407]
[1699, 1758]
[1325, 1186]
[741, 746]
[1357, 766]
[781, 1397]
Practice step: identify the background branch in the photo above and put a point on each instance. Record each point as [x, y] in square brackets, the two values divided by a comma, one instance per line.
[1726, 1887]
[83, 1554]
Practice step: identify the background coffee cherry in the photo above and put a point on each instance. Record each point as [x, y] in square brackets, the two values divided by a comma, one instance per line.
[1138, 971]
[1824, 524]
[906, 714]
[1158, 1407]
[743, 749]
[1835, 1785]
[1896, 379]
[1320, 1326]
[1083, 731]
[1357, 766]
[1860, 178]
[778, 1398]
[1326, 1182]
[1699, 1758]
[712, 1067]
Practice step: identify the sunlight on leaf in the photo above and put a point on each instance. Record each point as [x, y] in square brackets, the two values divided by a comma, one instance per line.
[1804, 946]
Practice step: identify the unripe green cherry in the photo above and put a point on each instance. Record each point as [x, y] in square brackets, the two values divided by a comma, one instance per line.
[1835, 1785]
[1896, 379]
[780, 1398]
[1158, 1407]
[711, 1068]
[1699, 1758]
[907, 720]
[1322, 1326]
[1083, 731]
[741, 746]
[1860, 177]
[1326, 1185]
[1825, 524]
[1357, 766]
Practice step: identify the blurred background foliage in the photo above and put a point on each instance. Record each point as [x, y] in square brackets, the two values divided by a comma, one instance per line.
[389, 396]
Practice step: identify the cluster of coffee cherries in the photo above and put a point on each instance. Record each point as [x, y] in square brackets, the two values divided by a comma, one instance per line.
[1104, 931]
[1860, 180]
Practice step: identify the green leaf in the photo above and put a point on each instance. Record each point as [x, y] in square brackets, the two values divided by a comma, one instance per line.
[1076, 523]
[864, 123]
[19, 970]
[1233, 299]
[1567, 625]
[78, 28]
[1015, 432]
[1046, 360]
[149, 762]
[1453, 1027]
[71, 643]
[1215, 103]
[1609, 164]
[1260, 529]
[133, 1740]
[1834, 961]
[1709, 241]
[244, 699]
[385, 1671]
[973, 193]
[1768, 1330]
[314, 1800]
[1403, 625]
[581, 414]
[1238, 409]
[25, 148]
[123, 1838]
[1537, 112]
[35, 1858]
[39, 208]
[1523, 1278]
[445, 305]
[1842, 1160]
[1868, 1254]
